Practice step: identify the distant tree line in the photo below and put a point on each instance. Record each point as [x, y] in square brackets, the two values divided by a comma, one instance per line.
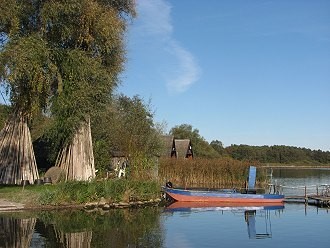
[277, 154]
[264, 154]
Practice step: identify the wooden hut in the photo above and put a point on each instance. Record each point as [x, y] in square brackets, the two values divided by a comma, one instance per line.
[118, 165]
[117, 158]
[168, 147]
[183, 148]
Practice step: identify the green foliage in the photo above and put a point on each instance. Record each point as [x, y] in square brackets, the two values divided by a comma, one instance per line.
[26, 67]
[277, 154]
[102, 154]
[88, 38]
[4, 114]
[47, 197]
[63, 57]
[126, 126]
[218, 146]
[77, 192]
[85, 90]
[200, 146]
[320, 156]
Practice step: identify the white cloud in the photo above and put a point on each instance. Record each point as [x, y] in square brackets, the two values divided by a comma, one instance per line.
[155, 21]
[189, 70]
[156, 17]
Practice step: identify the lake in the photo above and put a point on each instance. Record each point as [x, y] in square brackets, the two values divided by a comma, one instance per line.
[291, 225]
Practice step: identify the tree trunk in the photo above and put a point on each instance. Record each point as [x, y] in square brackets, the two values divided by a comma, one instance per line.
[77, 159]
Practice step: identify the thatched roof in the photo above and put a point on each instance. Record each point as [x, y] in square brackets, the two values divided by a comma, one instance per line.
[167, 145]
[179, 148]
[183, 148]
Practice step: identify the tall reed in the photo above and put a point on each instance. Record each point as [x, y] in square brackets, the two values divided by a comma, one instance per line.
[208, 173]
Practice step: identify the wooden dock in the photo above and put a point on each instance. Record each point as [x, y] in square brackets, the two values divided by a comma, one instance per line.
[320, 197]
[317, 200]
[320, 201]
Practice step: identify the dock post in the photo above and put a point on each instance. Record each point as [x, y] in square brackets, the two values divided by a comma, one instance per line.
[317, 190]
[306, 199]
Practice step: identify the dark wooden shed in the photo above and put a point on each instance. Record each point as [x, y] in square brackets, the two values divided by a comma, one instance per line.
[183, 148]
[168, 146]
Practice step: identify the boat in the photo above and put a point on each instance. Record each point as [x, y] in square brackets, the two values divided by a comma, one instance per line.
[187, 195]
[223, 206]
[225, 196]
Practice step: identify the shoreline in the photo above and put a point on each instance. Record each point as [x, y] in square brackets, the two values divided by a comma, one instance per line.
[10, 206]
[297, 166]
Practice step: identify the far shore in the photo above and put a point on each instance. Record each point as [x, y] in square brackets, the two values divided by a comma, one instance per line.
[295, 166]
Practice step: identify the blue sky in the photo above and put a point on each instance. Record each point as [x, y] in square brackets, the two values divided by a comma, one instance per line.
[253, 72]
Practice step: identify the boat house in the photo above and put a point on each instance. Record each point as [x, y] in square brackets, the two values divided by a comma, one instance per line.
[176, 148]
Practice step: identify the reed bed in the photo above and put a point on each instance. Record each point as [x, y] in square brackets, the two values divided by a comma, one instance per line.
[208, 173]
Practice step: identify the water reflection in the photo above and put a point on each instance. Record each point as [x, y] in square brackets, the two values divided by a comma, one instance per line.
[78, 239]
[116, 228]
[16, 233]
[251, 212]
[250, 219]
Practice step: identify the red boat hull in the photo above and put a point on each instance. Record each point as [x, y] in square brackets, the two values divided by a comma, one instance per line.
[223, 205]
[214, 196]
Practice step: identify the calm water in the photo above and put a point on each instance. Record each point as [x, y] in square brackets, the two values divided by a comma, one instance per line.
[294, 225]
[294, 180]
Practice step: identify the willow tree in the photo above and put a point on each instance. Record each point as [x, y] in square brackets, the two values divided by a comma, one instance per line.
[84, 52]
[28, 73]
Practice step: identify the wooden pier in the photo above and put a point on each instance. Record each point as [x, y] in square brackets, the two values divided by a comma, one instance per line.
[320, 201]
[320, 197]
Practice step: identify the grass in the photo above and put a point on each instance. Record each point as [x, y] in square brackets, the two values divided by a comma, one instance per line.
[208, 173]
[76, 192]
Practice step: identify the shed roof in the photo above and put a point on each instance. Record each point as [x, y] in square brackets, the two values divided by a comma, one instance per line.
[167, 145]
[183, 147]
